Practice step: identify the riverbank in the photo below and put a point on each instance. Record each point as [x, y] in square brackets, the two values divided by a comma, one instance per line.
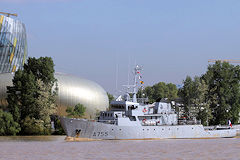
[31, 138]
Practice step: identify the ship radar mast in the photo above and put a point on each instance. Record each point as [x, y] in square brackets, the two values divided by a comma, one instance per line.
[137, 70]
[134, 91]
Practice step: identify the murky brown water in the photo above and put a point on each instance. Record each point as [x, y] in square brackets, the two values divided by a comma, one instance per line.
[55, 148]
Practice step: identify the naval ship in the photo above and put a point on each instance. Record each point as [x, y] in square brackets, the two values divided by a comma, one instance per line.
[131, 119]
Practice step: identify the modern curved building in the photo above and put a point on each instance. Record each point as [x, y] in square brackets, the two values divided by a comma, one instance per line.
[71, 91]
[13, 44]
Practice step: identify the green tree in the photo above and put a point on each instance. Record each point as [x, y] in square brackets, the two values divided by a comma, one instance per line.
[43, 68]
[7, 125]
[172, 91]
[158, 91]
[31, 99]
[148, 92]
[32, 126]
[77, 111]
[200, 101]
[45, 105]
[13, 97]
[187, 93]
[224, 92]
[193, 95]
[110, 97]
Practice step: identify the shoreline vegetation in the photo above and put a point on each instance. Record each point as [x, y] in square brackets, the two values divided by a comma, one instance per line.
[213, 98]
[31, 99]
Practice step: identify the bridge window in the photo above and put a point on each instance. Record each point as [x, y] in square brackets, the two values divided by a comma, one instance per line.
[132, 118]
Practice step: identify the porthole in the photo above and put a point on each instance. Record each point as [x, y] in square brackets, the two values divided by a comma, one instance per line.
[120, 129]
[168, 128]
[162, 129]
[112, 129]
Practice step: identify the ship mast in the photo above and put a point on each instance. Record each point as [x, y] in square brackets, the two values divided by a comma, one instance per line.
[134, 86]
[137, 70]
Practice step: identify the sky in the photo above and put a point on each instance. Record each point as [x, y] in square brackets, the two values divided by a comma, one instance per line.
[102, 40]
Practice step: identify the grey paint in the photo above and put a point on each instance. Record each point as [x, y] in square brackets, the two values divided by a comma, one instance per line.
[71, 90]
[97, 130]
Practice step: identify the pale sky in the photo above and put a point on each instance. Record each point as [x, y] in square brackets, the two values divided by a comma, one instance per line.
[169, 38]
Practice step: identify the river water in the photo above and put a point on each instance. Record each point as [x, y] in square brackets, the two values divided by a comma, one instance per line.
[56, 148]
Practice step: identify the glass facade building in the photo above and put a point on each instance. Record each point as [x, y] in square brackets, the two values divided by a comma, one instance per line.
[13, 44]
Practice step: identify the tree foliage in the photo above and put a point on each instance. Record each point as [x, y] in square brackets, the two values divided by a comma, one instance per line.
[77, 111]
[158, 91]
[7, 124]
[31, 99]
[223, 80]
[215, 96]
[32, 126]
[194, 99]
[110, 97]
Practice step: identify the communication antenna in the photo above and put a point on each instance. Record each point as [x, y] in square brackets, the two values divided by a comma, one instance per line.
[9, 14]
[128, 68]
[116, 73]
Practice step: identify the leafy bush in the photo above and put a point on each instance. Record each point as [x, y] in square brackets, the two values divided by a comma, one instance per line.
[32, 126]
[76, 112]
[7, 125]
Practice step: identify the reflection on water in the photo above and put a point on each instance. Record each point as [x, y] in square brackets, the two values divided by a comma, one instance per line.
[30, 138]
[54, 147]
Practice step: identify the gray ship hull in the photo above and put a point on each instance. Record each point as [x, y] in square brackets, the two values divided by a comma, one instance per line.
[95, 130]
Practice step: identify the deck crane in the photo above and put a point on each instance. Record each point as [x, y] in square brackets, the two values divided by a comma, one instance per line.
[224, 60]
[9, 14]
